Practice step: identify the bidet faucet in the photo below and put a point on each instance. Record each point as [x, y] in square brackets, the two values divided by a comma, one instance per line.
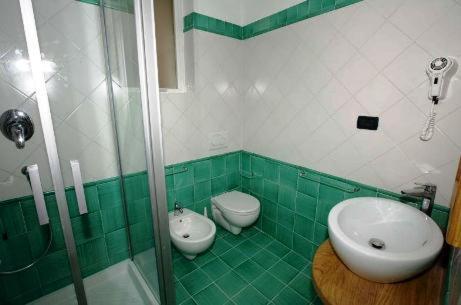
[427, 192]
[177, 209]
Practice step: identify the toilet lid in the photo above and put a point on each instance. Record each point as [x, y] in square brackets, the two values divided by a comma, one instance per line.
[237, 202]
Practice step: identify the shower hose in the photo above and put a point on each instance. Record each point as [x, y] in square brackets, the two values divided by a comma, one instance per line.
[36, 260]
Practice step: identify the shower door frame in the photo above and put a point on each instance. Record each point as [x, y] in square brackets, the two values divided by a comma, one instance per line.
[147, 59]
[33, 49]
[150, 100]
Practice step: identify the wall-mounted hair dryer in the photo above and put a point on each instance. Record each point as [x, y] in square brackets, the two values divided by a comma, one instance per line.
[437, 70]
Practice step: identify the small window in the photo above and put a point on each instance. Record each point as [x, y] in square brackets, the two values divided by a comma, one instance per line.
[166, 30]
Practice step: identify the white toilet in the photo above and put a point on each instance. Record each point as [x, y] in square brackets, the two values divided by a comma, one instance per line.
[235, 210]
[191, 233]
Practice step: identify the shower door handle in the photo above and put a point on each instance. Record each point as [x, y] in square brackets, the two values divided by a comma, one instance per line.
[37, 191]
[78, 184]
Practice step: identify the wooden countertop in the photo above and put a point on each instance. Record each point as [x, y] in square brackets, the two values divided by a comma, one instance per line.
[337, 285]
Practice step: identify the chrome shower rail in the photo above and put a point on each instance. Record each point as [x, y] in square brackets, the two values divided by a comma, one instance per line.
[353, 190]
[183, 170]
[35, 261]
[249, 175]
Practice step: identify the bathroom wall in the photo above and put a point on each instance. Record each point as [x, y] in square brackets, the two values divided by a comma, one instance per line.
[308, 82]
[212, 103]
[70, 37]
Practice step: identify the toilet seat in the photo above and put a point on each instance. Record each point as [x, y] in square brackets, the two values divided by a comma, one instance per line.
[237, 203]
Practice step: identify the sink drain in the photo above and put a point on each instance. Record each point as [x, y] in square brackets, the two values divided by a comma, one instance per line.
[377, 243]
[186, 235]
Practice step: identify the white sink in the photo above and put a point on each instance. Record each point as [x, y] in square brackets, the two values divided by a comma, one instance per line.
[408, 239]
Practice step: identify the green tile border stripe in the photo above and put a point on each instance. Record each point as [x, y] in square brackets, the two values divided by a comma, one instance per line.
[209, 24]
[302, 11]
[119, 5]
[170, 167]
[343, 181]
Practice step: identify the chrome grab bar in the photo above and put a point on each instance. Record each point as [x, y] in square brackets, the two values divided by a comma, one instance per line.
[183, 170]
[304, 176]
[78, 185]
[37, 191]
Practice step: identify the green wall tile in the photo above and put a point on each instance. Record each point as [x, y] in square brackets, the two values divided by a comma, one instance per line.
[218, 185]
[257, 165]
[112, 219]
[269, 226]
[15, 252]
[109, 194]
[308, 187]
[185, 195]
[233, 180]
[218, 166]
[92, 256]
[54, 266]
[320, 233]
[233, 163]
[117, 245]
[87, 227]
[286, 218]
[288, 176]
[136, 187]
[269, 209]
[287, 197]
[202, 171]
[257, 185]
[271, 190]
[306, 205]
[271, 171]
[285, 236]
[202, 190]
[136, 210]
[12, 219]
[183, 178]
[22, 283]
[304, 227]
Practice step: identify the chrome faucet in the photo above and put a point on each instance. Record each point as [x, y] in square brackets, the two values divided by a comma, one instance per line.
[177, 209]
[427, 192]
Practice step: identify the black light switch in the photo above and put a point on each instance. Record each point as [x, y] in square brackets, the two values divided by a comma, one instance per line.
[367, 122]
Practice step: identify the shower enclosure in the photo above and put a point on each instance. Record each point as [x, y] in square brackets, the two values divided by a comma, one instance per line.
[83, 216]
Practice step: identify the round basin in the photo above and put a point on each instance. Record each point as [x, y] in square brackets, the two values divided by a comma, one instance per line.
[383, 240]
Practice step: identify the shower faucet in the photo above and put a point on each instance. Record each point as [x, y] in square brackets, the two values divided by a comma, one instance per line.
[17, 126]
[427, 192]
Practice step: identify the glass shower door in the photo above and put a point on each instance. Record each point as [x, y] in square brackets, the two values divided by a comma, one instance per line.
[36, 246]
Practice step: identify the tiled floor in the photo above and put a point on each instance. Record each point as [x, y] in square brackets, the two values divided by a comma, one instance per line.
[251, 268]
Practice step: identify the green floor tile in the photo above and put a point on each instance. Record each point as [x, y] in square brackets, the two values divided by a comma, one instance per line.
[181, 293]
[289, 297]
[265, 259]
[195, 281]
[248, 248]
[283, 271]
[204, 258]
[248, 232]
[268, 285]
[216, 268]
[220, 246]
[261, 239]
[295, 260]
[250, 295]
[211, 295]
[249, 270]
[277, 248]
[233, 257]
[231, 283]
[189, 301]
[304, 286]
[183, 266]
